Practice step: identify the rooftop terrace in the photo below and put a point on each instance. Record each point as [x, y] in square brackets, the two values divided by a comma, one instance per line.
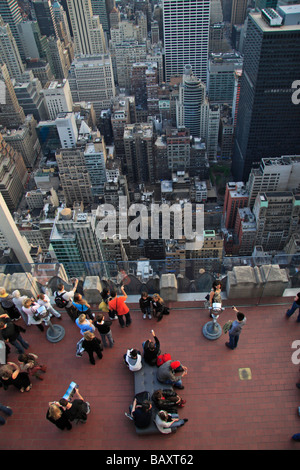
[244, 399]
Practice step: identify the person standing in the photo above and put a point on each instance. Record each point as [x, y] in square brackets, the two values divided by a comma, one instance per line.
[295, 305]
[44, 301]
[6, 301]
[7, 411]
[82, 306]
[18, 301]
[56, 414]
[103, 326]
[118, 304]
[67, 298]
[145, 305]
[30, 307]
[77, 409]
[84, 324]
[10, 375]
[236, 329]
[92, 345]
[11, 334]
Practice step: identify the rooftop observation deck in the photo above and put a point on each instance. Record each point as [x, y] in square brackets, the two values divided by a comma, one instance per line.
[228, 407]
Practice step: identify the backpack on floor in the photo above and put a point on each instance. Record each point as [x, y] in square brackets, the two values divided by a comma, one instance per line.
[79, 349]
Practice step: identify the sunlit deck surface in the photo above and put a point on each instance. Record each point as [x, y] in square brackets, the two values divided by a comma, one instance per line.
[226, 409]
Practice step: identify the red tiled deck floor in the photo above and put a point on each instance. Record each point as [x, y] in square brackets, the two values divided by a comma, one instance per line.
[224, 411]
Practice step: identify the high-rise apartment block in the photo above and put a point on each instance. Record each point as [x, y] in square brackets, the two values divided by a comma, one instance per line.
[236, 196]
[277, 218]
[186, 36]
[13, 174]
[74, 176]
[268, 121]
[139, 153]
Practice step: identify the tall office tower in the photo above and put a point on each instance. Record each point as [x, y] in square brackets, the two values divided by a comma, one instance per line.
[99, 9]
[75, 243]
[238, 11]
[10, 12]
[87, 30]
[191, 99]
[13, 175]
[58, 98]
[74, 176]
[274, 174]
[45, 17]
[277, 218]
[221, 78]
[114, 18]
[58, 58]
[11, 113]
[11, 235]
[262, 4]
[9, 52]
[61, 20]
[30, 98]
[268, 121]
[91, 79]
[186, 36]
[139, 153]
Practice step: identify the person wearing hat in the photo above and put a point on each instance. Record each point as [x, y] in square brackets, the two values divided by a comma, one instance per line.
[166, 373]
[236, 329]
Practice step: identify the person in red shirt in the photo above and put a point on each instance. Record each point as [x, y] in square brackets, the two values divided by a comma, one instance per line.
[118, 304]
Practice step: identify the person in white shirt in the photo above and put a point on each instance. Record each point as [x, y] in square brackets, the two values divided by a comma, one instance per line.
[68, 296]
[44, 300]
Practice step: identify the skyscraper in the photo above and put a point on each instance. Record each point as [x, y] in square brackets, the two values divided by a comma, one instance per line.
[268, 121]
[10, 12]
[186, 36]
[87, 29]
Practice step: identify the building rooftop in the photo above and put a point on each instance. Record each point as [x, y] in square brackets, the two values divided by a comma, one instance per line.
[236, 400]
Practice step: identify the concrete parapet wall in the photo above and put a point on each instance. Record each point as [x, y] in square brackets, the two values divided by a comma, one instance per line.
[168, 287]
[263, 281]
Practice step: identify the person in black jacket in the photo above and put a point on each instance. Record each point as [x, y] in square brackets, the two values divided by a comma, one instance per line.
[92, 344]
[151, 350]
[103, 326]
[77, 409]
[10, 333]
[145, 305]
[57, 415]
